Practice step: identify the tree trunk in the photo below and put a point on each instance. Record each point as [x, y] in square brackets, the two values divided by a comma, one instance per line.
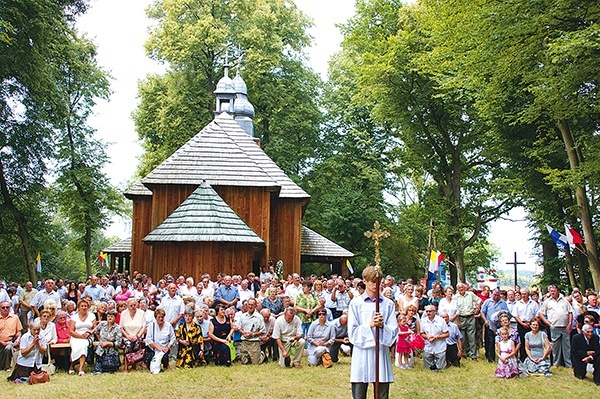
[582, 204]
[88, 250]
[570, 272]
[22, 231]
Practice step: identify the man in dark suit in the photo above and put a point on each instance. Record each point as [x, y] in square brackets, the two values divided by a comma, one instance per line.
[586, 350]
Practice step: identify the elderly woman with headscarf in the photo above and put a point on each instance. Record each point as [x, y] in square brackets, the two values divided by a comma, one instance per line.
[109, 340]
[32, 347]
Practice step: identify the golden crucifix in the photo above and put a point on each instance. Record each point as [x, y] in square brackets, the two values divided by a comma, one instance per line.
[377, 234]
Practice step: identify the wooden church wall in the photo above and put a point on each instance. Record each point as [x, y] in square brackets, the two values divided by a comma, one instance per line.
[286, 229]
[253, 206]
[166, 198]
[194, 259]
[141, 226]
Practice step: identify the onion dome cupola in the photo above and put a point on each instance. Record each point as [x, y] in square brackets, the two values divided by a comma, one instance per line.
[242, 108]
[225, 93]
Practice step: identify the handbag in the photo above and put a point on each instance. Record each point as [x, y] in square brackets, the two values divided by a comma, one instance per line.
[110, 361]
[135, 357]
[38, 378]
[232, 353]
[49, 367]
[91, 352]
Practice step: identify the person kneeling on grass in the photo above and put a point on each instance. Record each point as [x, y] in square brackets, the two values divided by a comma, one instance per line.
[586, 350]
[32, 347]
[320, 337]
[160, 339]
[434, 331]
[288, 335]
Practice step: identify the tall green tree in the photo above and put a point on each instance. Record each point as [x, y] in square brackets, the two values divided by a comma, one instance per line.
[441, 137]
[192, 39]
[82, 191]
[33, 35]
[529, 62]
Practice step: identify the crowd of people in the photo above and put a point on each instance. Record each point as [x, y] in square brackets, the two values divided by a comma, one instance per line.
[258, 318]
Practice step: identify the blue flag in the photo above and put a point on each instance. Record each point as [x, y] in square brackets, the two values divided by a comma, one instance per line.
[559, 239]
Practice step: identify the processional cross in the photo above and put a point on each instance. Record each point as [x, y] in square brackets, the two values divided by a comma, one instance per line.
[377, 234]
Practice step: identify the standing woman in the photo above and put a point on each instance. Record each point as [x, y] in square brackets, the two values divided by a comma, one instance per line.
[107, 353]
[124, 294]
[306, 306]
[449, 305]
[408, 298]
[32, 347]
[72, 293]
[220, 331]
[80, 330]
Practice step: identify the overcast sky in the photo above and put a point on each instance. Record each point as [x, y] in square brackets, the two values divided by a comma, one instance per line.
[119, 29]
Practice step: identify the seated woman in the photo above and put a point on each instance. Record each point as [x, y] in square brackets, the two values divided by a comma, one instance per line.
[51, 307]
[80, 330]
[412, 318]
[63, 336]
[513, 334]
[109, 340]
[273, 302]
[160, 339]
[133, 326]
[70, 309]
[189, 337]
[123, 294]
[32, 347]
[47, 328]
[101, 310]
[538, 349]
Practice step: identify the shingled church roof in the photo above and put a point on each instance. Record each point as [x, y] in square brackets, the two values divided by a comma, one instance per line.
[222, 154]
[203, 217]
[315, 245]
[137, 189]
[123, 246]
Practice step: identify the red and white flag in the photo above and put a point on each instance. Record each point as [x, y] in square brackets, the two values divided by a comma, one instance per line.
[573, 236]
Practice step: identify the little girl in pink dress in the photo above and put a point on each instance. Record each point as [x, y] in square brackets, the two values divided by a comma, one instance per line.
[403, 350]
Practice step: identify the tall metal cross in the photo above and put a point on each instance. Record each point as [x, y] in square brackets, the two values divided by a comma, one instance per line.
[515, 263]
[377, 234]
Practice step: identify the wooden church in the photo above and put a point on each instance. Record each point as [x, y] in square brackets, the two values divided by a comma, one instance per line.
[220, 204]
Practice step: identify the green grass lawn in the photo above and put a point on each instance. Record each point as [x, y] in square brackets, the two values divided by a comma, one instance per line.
[475, 379]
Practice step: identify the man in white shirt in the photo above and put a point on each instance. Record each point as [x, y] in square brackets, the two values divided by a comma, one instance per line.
[252, 326]
[288, 334]
[292, 290]
[557, 313]
[434, 331]
[524, 311]
[174, 308]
